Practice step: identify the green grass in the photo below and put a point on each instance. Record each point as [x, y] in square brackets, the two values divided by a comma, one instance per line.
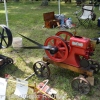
[26, 18]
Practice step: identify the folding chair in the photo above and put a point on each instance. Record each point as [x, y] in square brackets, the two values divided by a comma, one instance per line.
[87, 15]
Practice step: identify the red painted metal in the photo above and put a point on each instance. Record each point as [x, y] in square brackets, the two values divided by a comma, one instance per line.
[69, 52]
[63, 50]
[79, 47]
[64, 34]
[46, 89]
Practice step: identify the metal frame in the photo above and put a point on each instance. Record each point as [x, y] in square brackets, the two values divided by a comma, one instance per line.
[86, 15]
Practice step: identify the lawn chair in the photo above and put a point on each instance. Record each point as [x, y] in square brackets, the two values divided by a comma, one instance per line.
[87, 15]
[50, 20]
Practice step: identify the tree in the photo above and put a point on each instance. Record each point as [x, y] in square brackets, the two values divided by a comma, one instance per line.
[44, 3]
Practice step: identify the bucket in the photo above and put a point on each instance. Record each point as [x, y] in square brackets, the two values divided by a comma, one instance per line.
[17, 42]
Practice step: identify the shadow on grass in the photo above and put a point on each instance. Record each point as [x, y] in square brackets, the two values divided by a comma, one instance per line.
[12, 71]
[61, 80]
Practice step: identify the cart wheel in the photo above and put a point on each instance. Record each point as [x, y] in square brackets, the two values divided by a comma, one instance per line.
[95, 66]
[41, 69]
[9, 61]
[81, 85]
[6, 37]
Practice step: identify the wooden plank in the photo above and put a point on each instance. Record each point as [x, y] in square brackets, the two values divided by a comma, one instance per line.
[72, 68]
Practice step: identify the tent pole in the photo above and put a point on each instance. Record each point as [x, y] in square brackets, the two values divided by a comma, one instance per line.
[59, 6]
[6, 13]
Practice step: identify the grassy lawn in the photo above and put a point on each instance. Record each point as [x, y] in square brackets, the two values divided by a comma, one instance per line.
[26, 18]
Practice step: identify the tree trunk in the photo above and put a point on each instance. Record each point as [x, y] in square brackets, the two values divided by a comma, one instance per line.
[44, 3]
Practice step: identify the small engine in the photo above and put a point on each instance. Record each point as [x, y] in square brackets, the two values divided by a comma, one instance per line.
[79, 48]
[76, 51]
[70, 52]
[68, 49]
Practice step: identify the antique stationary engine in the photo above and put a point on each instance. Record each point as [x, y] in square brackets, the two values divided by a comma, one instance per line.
[70, 52]
[75, 52]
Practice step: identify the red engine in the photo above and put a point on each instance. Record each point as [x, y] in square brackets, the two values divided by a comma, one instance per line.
[73, 51]
[79, 47]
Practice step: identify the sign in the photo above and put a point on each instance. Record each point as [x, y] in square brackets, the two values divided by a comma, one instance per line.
[77, 44]
[21, 88]
[3, 86]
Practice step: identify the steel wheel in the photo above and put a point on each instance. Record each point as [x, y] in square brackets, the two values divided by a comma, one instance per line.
[65, 35]
[58, 42]
[6, 37]
[41, 69]
[81, 85]
[9, 61]
[95, 66]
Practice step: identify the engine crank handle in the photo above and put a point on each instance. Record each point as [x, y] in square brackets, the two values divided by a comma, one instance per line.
[29, 76]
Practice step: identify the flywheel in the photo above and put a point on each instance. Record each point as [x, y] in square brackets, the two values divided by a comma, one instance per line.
[65, 35]
[5, 36]
[61, 45]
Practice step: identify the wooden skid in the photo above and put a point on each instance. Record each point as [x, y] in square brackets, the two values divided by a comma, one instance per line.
[72, 68]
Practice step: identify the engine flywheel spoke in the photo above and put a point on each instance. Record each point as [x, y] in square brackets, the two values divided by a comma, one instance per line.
[64, 34]
[81, 85]
[62, 47]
